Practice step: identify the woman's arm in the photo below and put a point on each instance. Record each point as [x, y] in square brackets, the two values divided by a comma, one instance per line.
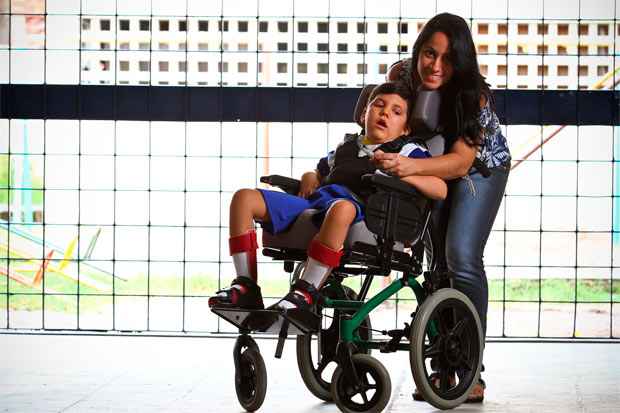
[430, 186]
[454, 164]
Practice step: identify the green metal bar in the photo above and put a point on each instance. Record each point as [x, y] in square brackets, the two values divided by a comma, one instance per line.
[341, 304]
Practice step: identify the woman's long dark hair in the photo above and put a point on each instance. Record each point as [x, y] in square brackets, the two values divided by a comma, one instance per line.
[462, 95]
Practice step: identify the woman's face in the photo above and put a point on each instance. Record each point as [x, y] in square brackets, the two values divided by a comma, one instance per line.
[434, 65]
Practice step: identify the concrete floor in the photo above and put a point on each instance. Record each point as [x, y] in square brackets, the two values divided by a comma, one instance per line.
[57, 373]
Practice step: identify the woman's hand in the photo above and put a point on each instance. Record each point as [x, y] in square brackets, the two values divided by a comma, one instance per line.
[394, 164]
[309, 183]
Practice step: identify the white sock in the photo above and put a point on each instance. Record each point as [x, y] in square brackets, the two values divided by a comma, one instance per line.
[315, 272]
[240, 261]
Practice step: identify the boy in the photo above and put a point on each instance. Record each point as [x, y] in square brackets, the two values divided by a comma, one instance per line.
[336, 190]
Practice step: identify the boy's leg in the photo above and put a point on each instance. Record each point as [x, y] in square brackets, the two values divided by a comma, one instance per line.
[246, 206]
[324, 254]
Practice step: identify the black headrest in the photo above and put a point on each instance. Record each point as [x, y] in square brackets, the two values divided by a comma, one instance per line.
[425, 116]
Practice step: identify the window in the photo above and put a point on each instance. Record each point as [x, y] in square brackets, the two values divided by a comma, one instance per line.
[341, 68]
[164, 25]
[203, 25]
[523, 29]
[361, 47]
[144, 45]
[582, 49]
[420, 26]
[322, 27]
[543, 28]
[562, 70]
[343, 27]
[302, 27]
[145, 25]
[104, 46]
[522, 70]
[163, 46]
[263, 27]
[383, 68]
[361, 27]
[222, 26]
[404, 28]
[282, 47]
[124, 65]
[521, 49]
[242, 26]
[182, 66]
[144, 65]
[163, 66]
[502, 48]
[242, 67]
[302, 67]
[302, 47]
[123, 24]
[562, 50]
[124, 46]
[483, 48]
[603, 29]
[484, 70]
[182, 25]
[542, 49]
[85, 24]
[602, 50]
[483, 28]
[543, 70]
[260, 67]
[224, 46]
[283, 27]
[502, 28]
[602, 70]
[182, 46]
[104, 25]
[322, 47]
[322, 67]
[403, 48]
[362, 68]
[203, 46]
[242, 47]
[502, 69]
[342, 47]
[583, 70]
[383, 48]
[222, 67]
[584, 29]
[562, 86]
[382, 27]
[282, 67]
[203, 66]
[562, 29]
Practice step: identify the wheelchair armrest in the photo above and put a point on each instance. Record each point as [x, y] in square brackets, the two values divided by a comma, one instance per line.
[389, 183]
[288, 185]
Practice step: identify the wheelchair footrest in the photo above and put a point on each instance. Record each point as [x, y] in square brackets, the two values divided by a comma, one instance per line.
[269, 321]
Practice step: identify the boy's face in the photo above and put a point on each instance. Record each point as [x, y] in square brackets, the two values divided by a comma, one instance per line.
[385, 118]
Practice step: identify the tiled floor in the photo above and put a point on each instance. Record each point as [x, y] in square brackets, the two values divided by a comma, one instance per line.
[56, 373]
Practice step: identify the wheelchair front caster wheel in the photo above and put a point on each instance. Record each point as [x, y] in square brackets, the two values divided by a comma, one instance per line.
[251, 380]
[371, 394]
[446, 348]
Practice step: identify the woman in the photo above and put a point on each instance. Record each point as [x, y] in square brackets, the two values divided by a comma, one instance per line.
[444, 59]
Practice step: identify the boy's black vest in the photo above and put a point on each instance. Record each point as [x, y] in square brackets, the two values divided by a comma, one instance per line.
[349, 167]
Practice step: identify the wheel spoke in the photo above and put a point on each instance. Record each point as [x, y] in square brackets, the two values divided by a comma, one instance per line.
[364, 397]
[466, 361]
[432, 350]
[322, 365]
[458, 329]
[444, 380]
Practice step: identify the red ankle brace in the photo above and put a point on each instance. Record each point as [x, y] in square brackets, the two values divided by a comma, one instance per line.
[324, 254]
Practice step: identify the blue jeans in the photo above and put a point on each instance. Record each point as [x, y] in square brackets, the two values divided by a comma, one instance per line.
[462, 224]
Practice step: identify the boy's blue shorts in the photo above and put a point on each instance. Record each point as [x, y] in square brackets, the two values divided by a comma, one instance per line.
[284, 208]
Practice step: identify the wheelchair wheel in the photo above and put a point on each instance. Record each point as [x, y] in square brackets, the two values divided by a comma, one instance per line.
[251, 380]
[446, 348]
[371, 394]
[316, 358]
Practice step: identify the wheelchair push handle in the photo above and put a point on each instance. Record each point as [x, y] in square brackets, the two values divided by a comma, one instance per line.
[288, 185]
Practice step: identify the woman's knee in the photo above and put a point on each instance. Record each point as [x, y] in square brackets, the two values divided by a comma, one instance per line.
[464, 259]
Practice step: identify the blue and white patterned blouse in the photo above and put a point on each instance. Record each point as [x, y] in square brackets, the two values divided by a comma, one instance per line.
[494, 150]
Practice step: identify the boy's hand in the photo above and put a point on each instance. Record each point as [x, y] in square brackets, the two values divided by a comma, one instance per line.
[309, 182]
[391, 163]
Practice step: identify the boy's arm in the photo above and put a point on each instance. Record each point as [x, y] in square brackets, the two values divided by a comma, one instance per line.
[310, 181]
[430, 186]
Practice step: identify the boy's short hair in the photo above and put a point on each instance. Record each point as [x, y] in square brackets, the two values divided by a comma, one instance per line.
[395, 88]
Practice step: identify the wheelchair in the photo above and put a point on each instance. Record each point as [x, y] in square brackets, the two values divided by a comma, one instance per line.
[444, 338]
